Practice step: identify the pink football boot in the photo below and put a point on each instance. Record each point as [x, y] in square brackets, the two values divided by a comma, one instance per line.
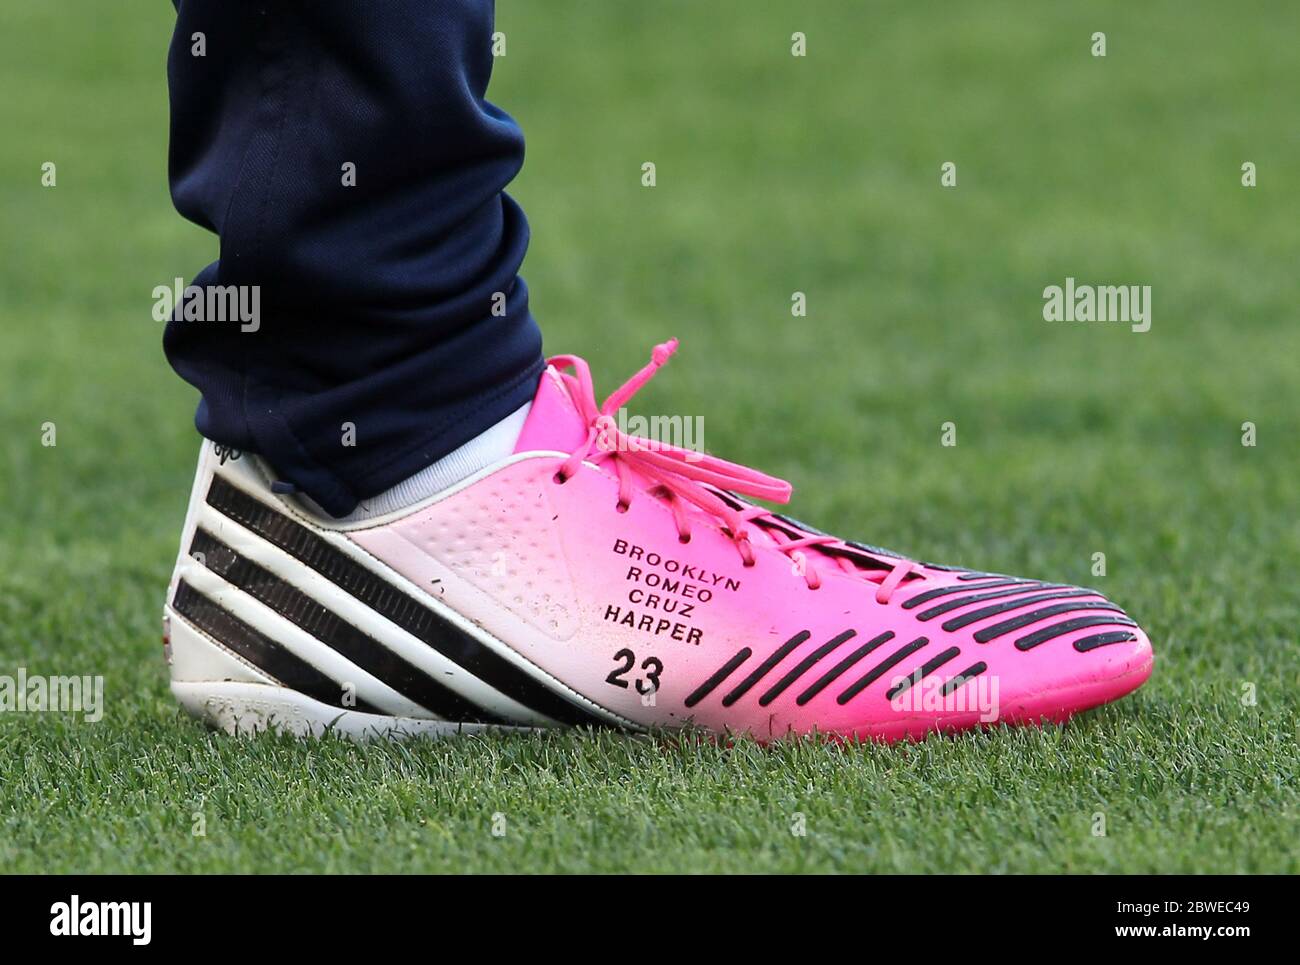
[596, 577]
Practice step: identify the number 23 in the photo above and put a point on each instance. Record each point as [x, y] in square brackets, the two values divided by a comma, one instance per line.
[653, 667]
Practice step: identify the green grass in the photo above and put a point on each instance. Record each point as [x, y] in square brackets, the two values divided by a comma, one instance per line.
[775, 175]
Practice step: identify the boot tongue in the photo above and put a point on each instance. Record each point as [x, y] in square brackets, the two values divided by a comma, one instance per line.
[554, 422]
[555, 425]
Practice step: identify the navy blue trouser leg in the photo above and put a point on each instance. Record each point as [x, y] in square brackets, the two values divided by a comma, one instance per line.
[391, 313]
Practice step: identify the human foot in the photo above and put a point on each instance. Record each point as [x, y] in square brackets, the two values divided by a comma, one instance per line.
[598, 578]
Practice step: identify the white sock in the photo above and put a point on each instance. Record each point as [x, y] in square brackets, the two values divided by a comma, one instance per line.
[491, 445]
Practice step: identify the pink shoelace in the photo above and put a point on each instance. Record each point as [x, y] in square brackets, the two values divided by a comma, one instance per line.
[682, 476]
